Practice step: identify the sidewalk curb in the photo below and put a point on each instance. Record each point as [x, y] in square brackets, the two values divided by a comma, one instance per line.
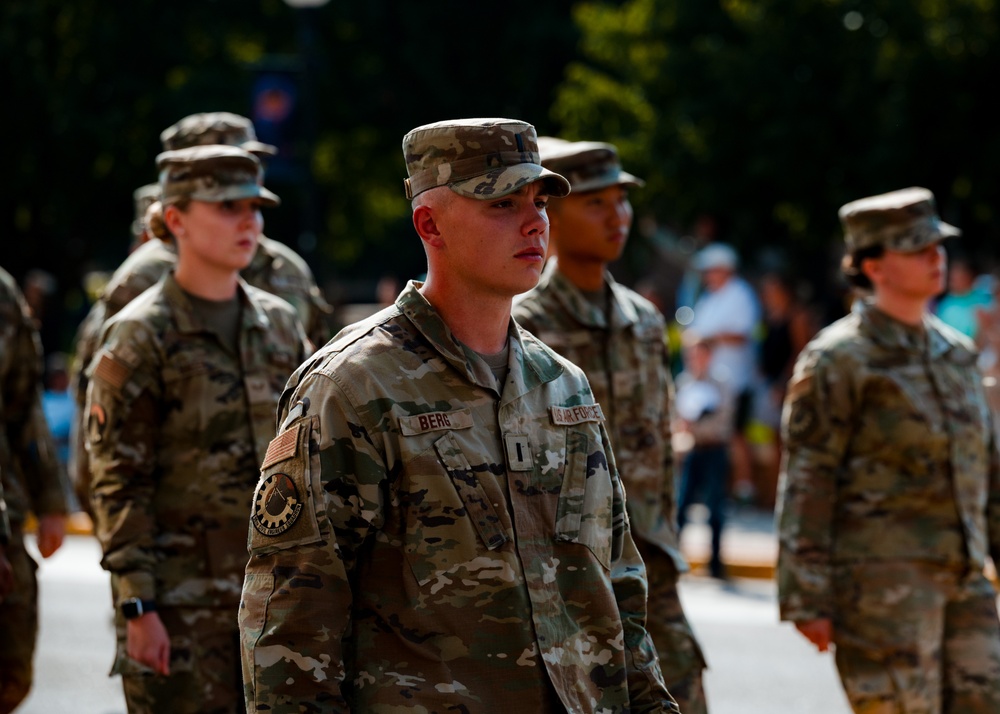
[77, 523]
[734, 569]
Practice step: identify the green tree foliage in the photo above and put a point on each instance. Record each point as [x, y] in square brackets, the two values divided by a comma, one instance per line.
[770, 114]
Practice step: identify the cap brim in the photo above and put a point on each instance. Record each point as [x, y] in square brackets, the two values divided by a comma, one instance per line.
[941, 232]
[259, 148]
[505, 180]
[624, 178]
[948, 231]
[237, 192]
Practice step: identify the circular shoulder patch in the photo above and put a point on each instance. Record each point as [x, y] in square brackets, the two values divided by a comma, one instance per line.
[803, 420]
[276, 505]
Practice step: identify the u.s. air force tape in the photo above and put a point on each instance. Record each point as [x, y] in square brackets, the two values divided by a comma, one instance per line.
[276, 505]
[568, 416]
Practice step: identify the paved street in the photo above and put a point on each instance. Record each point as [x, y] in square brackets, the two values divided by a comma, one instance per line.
[757, 665]
[76, 642]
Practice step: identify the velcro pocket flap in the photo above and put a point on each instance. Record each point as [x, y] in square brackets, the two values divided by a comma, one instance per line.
[484, 517]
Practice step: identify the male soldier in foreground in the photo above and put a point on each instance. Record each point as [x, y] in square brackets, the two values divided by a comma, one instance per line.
[890, 491]
[276, 268]
[440, 525]
[617, 338]
[31, 483]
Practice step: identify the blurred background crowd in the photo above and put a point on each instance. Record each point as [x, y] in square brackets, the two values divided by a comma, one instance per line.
[751, 120]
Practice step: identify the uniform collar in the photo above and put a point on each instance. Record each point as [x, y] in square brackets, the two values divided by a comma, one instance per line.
[890, 333]
[623, 313]
[253, 315]
[530, 363]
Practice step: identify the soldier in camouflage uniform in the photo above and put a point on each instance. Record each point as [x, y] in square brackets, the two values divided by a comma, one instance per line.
[180, 410]
[618, 339]
[890, 490]
[31, 483]
[275, 267]
[440, 525]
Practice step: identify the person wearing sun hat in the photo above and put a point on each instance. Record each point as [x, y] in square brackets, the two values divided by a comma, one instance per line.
[179, 412]
[617, 338]
[462, 529]
[889, 501]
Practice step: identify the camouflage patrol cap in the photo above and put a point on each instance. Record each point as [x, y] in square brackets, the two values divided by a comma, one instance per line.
[476, 158]
[904, 220]
[212, 173]
[144, 196]
[215, 128]
[589, 165]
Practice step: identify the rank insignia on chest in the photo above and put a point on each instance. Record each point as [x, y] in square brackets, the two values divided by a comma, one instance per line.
[518, 452]
[276, 505]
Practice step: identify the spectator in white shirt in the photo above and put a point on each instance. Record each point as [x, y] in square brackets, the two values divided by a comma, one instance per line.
[725, 315]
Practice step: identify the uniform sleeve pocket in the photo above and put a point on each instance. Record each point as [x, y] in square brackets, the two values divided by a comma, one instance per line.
[584, 513]
[257, 589]
[284, 509]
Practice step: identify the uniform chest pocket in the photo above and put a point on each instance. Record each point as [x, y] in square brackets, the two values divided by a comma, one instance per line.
[585, 511]
[271, 367]
[188, 386]
[449, 522]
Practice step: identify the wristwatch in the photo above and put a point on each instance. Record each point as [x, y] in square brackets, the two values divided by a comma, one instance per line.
[134, 607]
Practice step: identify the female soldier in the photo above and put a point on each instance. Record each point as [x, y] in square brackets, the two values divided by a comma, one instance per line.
[890, 498]
[180, 412]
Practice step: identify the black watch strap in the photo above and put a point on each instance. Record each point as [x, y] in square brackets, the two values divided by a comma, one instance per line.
[134, 607]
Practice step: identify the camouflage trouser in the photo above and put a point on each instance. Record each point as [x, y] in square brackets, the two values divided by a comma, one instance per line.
[915, 638]
[681, 659]
[18, 625]
[205, 675]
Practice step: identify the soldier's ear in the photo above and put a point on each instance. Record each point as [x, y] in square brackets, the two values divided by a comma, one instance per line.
[872, 269]
[173, 219]
[426, 224]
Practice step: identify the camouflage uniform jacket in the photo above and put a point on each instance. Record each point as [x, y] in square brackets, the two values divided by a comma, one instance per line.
[421, 542]
[626, 362]
[275, 268]
[31, 477]
[176, 427]
[889, 455]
